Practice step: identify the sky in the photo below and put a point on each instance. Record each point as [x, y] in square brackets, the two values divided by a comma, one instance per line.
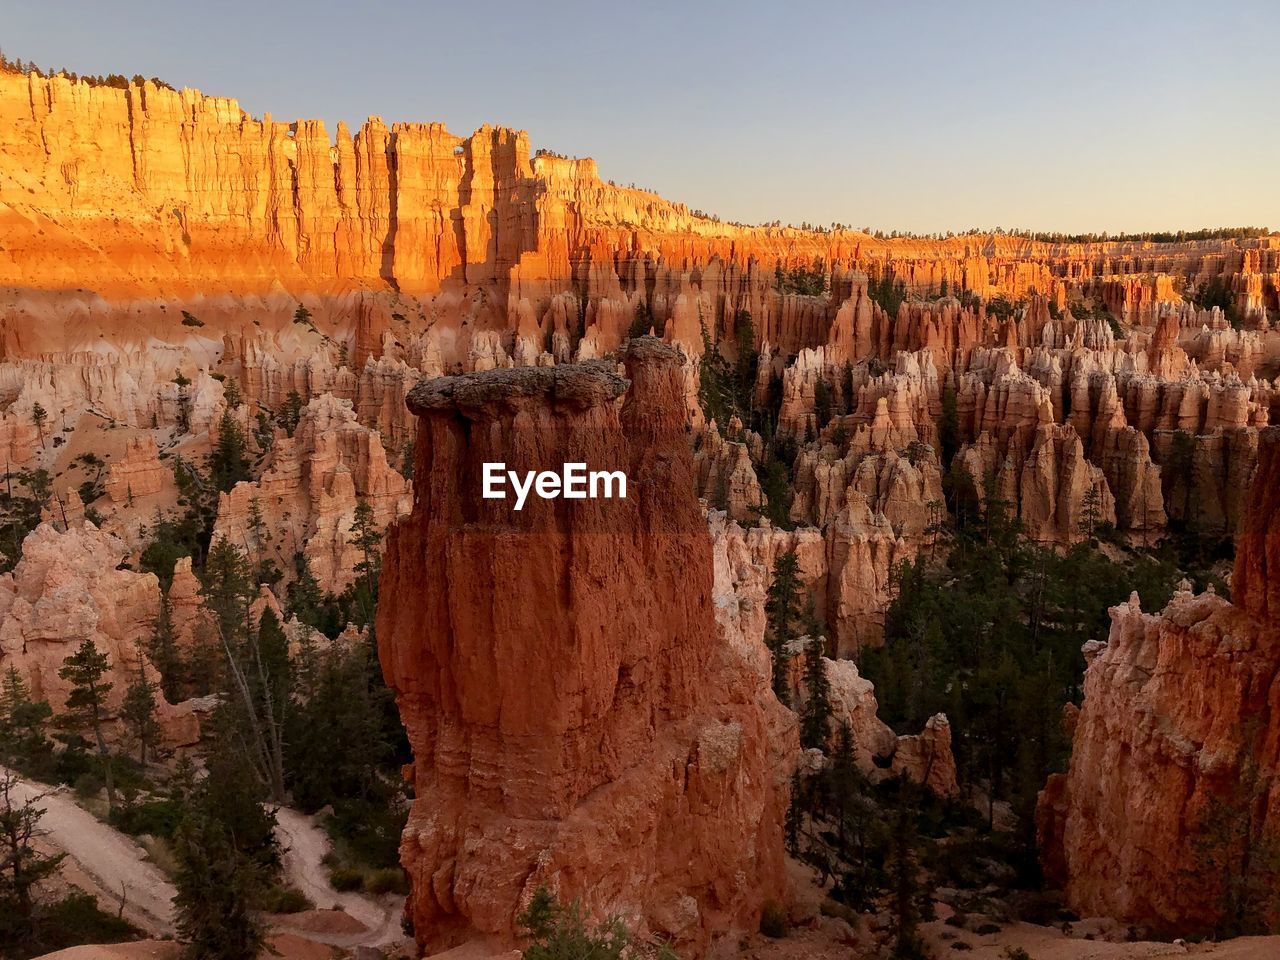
[913, 115]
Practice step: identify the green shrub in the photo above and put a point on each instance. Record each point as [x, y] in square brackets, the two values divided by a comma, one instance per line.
[159, 818]
[984, 929]
[77, 919]
[190, 320]
[369, 832]
[773, 920]
[345, 878]
[88, 785]
[387, 880]
[282, 899]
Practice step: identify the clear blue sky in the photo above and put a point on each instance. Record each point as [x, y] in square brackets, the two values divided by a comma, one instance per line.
[892, 114]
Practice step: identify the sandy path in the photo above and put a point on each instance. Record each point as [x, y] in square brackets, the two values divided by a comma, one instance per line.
[119, 868]
[304, 845]
[110, 858]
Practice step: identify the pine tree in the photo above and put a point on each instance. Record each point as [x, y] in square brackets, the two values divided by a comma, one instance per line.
[226, 851]
[904, 879]
[165, 654]
[216, 891]
[264, 570]
[138, 711]
[22, 866]
[291, 412]
[85, 670]
[1090, 513]
[227, 590]
[815, 716]
[782, 607]
[823, 403]
[228, 464]
[305, 598]
[368, 539]
[23, 744]
[38, 416]
[251, 694]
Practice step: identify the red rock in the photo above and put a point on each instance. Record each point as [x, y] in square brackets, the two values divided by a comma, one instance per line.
[1179, 716]
[577, 718]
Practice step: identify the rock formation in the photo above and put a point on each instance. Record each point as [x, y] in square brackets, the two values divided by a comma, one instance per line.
[1172, 802]
[578, 720]
[67, 588]
[308, 492]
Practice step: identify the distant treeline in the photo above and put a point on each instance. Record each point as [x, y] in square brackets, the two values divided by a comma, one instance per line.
[1154, 236]
[117, 80]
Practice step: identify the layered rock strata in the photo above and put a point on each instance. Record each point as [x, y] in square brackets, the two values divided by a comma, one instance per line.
[578, 720]
[1171, 806]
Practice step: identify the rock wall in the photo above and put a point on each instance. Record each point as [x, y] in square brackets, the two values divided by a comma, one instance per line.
[1172, 798]
[308, 492]
[578, 720]
[67, 588]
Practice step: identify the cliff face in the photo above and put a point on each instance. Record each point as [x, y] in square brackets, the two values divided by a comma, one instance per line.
[131, 193]
[308, 492]
[578, 720]
[1171, 805]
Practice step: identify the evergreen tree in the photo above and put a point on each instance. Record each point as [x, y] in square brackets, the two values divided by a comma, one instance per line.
[1090, 513]
[215, 894]
[340, 741]
[906, 893]
[253, 678]
[85, 670]
[366, 537]
[643, 321]
[23, 744]
[165, 654]
[782, 608]
[228, 464]
[948, 425]
[815, 716]
[22, 866]
[231, 393]
[847, 395]
[291, 412]
[138, 711]
[227, 590]
[39, 416]
[823, 403]
[305, 598]
[264, 569]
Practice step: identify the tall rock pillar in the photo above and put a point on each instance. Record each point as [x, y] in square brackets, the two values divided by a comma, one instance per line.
[576, 718]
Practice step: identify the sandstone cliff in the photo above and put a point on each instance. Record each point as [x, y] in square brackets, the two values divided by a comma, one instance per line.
[1171, 804]
[578, 721]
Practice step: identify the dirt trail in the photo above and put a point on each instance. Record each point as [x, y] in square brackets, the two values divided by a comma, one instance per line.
[304, 845]
[119, 867]
[110, 858]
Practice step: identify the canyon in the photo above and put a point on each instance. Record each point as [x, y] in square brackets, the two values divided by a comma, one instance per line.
[371, 317]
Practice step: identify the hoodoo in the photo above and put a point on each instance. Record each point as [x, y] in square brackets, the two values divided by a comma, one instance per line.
[1169, 817]
[582, 725]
